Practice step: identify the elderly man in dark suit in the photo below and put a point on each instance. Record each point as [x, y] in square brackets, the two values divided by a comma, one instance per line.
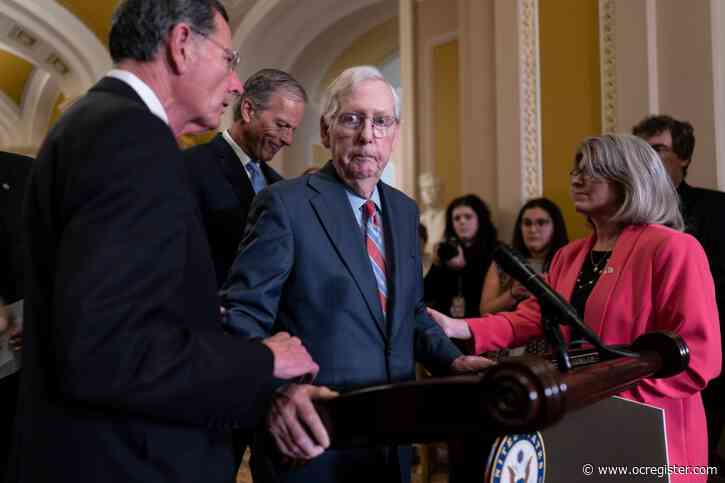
[228, 171]
[334, 258]
[128, 374]
[704, 213]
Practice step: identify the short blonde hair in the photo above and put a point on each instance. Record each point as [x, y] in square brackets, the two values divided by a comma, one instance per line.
[648, 195]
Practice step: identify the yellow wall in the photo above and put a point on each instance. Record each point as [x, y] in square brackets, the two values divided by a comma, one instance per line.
[95, 15]
[446, 119]
[15, 73]
[373, 48]
[570, 94]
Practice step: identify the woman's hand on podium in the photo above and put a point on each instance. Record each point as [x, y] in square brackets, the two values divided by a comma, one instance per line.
[453, 328]
[294, 423]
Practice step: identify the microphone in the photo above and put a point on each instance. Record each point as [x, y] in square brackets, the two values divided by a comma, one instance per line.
[514, 264]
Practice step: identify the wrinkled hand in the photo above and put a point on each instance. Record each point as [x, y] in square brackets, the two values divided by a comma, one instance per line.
[464, 364]
[453, 328]
[291, 359]
[16, 338]
[294, 423]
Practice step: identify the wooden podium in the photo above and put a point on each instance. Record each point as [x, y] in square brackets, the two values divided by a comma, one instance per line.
[518, 397]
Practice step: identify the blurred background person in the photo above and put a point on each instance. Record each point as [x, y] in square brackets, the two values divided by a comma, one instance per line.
[14, 171]
[454, 282]
[636, 273]
[539, 232]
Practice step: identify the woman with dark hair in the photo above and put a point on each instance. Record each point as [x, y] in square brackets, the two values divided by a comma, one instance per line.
[453, 284]
[538, 233]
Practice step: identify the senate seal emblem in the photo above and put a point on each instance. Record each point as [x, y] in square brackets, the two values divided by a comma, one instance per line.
[517, 458]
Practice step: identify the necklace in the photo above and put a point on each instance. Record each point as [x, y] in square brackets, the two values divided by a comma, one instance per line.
[588, 278]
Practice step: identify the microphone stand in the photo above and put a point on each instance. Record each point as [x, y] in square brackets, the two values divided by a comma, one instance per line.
[554, 337]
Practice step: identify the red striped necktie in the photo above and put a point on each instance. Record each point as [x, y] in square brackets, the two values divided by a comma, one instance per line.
[374, 244]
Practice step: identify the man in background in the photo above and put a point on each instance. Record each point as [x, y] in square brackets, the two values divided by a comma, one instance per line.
[228, 171]
[14, 170]
[704, 214]
[128, 374]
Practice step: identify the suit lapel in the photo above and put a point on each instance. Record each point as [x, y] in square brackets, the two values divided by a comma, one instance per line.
[395, 228]
[233, 170]
[333, 209]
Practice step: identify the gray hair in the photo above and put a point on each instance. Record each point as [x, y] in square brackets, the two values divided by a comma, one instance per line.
[138, 27]
[647, 191]
[260, 87]
[343, 86]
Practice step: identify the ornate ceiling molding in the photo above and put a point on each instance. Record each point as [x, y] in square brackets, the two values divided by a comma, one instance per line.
[530, 99]
[55, 41]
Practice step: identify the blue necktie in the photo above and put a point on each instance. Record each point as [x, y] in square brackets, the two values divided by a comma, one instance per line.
[256, 176]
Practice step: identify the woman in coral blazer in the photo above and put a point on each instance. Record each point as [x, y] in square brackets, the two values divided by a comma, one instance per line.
[637, 273]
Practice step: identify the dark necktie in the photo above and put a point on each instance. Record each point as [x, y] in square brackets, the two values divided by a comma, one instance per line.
[373, 242]
[256, 176]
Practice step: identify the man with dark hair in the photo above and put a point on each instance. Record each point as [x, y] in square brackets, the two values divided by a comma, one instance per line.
[674, 141]
[128, 374]
[228, 171]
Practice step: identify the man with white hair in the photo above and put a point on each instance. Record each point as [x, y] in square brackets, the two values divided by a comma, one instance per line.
[334, 259]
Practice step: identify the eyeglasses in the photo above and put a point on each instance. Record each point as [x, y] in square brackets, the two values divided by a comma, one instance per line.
[661, 148]
[584, 176]
[355, 121]
[230, 55]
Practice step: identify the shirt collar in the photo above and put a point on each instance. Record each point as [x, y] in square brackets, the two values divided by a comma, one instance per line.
[356, 201]
[147, 95]
[243, 157]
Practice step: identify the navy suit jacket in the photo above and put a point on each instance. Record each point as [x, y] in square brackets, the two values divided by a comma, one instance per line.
[224, 194]
[303, 268]
[128, 374]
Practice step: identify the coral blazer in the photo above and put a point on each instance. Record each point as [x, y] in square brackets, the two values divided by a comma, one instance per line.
[656, 279]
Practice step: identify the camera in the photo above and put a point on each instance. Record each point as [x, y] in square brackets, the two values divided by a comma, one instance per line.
[448, 249]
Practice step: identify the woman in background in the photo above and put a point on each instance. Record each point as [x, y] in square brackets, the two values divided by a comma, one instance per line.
[454, 282]
[538, 233]
[638, 272]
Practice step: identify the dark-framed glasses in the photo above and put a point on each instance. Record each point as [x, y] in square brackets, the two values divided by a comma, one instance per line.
[354, 121]
[230, 55]
[585, 176]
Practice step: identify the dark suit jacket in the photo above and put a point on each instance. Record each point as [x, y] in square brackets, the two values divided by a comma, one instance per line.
[128, 375]
[224, 194]
[303, 268]
[14, 170]
[704, 212]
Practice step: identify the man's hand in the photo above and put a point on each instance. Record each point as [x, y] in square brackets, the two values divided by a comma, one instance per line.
[291, 359]
[464, 364]
[294, 423]
[453, 328]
